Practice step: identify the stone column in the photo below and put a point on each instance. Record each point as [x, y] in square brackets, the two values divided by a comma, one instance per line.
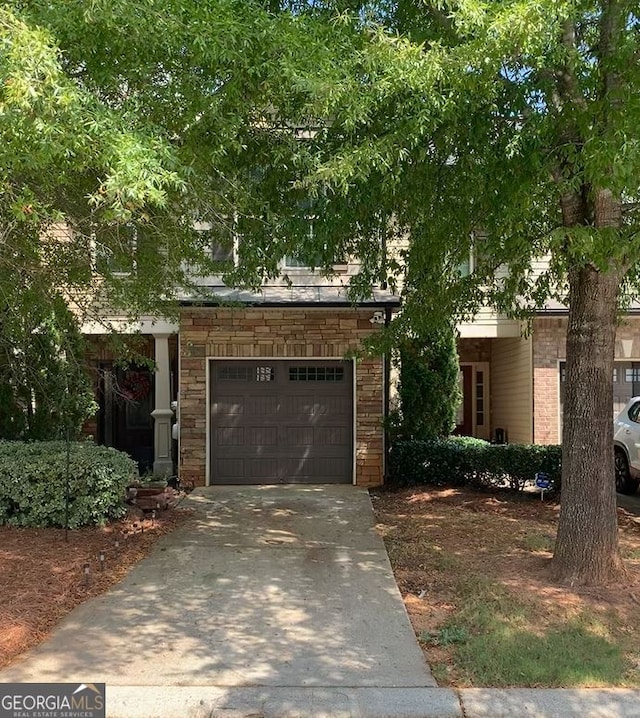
[162, 414]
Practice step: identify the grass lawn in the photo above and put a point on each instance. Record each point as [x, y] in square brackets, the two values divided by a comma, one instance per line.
[473, 570]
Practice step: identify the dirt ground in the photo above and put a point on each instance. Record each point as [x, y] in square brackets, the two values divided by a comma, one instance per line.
[434, 536]
[43, 576]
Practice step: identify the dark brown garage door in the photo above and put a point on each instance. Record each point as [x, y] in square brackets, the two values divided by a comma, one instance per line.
[276, 421]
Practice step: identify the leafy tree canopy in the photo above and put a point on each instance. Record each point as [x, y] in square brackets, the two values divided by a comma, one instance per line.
[507, 127]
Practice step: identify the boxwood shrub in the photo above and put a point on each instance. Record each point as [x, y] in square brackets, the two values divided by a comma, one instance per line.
[463, 461]
[33, 483]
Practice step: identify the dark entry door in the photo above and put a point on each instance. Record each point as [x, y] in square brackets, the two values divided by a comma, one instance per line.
[277, 421]
[126, 403]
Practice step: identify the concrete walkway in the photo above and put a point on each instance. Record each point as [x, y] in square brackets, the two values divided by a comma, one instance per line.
[273, 602]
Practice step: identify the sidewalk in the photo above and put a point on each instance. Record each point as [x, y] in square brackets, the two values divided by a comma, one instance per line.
[202, 702]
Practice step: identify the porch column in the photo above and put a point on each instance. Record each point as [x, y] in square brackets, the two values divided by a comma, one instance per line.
[162, 414]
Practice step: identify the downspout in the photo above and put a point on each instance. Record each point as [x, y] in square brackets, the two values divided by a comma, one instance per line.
[385, 408]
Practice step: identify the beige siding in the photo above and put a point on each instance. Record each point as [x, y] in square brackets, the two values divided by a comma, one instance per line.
[511, 388]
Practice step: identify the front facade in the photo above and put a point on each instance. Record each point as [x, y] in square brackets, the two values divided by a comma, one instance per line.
[263, 388]
[273, 395]
[269, 387]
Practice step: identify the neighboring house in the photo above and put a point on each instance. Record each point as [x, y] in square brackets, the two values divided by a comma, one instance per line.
[264, 391]
[512, 376]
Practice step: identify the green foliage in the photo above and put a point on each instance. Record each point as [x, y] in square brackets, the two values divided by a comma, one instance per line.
[447, 636]
[74, 172]
[33, 483]
[428, 388]
[44, 390]
[462, 461]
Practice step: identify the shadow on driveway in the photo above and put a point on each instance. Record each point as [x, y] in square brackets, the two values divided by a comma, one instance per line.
[264, 586]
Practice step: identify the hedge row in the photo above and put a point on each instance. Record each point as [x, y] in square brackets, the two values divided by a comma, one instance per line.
[33, 483]
[463, 461]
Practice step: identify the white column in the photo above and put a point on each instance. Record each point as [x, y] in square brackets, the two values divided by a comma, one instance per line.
[162, 414]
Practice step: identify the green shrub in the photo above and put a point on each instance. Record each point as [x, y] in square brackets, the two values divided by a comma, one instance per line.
[428, 389]
[464, 461]
[33, 483]
[46, 392]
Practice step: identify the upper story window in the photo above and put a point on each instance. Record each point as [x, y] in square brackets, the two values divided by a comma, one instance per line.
[291, 262]
[221, 241]
[470, 262]
[466, 267]
[115, 249]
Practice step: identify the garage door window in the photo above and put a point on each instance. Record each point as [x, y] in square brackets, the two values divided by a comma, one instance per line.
[244, 373]
[316, 373]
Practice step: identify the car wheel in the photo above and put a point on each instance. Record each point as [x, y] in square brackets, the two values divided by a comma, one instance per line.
[624, 483]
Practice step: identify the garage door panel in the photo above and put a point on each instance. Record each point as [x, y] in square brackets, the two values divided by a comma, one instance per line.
[332, 435]
[231, 468]
[313, 469]
[309, 406]
[334, 405]
[301, 406]
[261, 405]
[229, 436]
[262, 470]
[262, 436]
[296, 436]
[281, 422]
[229, 405]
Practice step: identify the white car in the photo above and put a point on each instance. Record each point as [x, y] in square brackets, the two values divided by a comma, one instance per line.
[626, 444]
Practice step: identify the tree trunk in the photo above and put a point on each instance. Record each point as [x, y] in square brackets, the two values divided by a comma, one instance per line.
[586, 549]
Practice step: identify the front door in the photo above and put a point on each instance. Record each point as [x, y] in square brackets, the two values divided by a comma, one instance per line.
[464, 422]
[126, 403]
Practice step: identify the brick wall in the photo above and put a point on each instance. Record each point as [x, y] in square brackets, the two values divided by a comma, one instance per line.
[549, 348]
[287, 333]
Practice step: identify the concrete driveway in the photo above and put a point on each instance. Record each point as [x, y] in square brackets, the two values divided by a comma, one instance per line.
[283, 586]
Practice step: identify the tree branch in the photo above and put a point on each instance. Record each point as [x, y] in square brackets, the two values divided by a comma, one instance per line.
[610, 27]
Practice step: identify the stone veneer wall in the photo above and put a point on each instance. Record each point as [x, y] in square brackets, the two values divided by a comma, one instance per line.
[549, 347]
[287, 333]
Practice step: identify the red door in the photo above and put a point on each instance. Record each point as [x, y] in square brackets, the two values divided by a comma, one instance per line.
[465, 416]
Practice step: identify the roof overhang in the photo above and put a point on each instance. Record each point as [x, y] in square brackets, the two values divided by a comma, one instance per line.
[297, 296]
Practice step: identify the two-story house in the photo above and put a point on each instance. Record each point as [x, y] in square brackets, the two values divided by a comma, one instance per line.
[265, 394]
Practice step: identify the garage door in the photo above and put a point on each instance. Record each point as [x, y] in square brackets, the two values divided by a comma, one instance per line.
[276, 421]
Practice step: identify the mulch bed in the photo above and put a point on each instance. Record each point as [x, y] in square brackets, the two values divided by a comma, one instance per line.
[44, 574]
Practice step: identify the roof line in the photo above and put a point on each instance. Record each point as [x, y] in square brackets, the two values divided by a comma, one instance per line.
[290, 303]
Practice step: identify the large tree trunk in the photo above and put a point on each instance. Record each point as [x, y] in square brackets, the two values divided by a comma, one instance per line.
[587, 543]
